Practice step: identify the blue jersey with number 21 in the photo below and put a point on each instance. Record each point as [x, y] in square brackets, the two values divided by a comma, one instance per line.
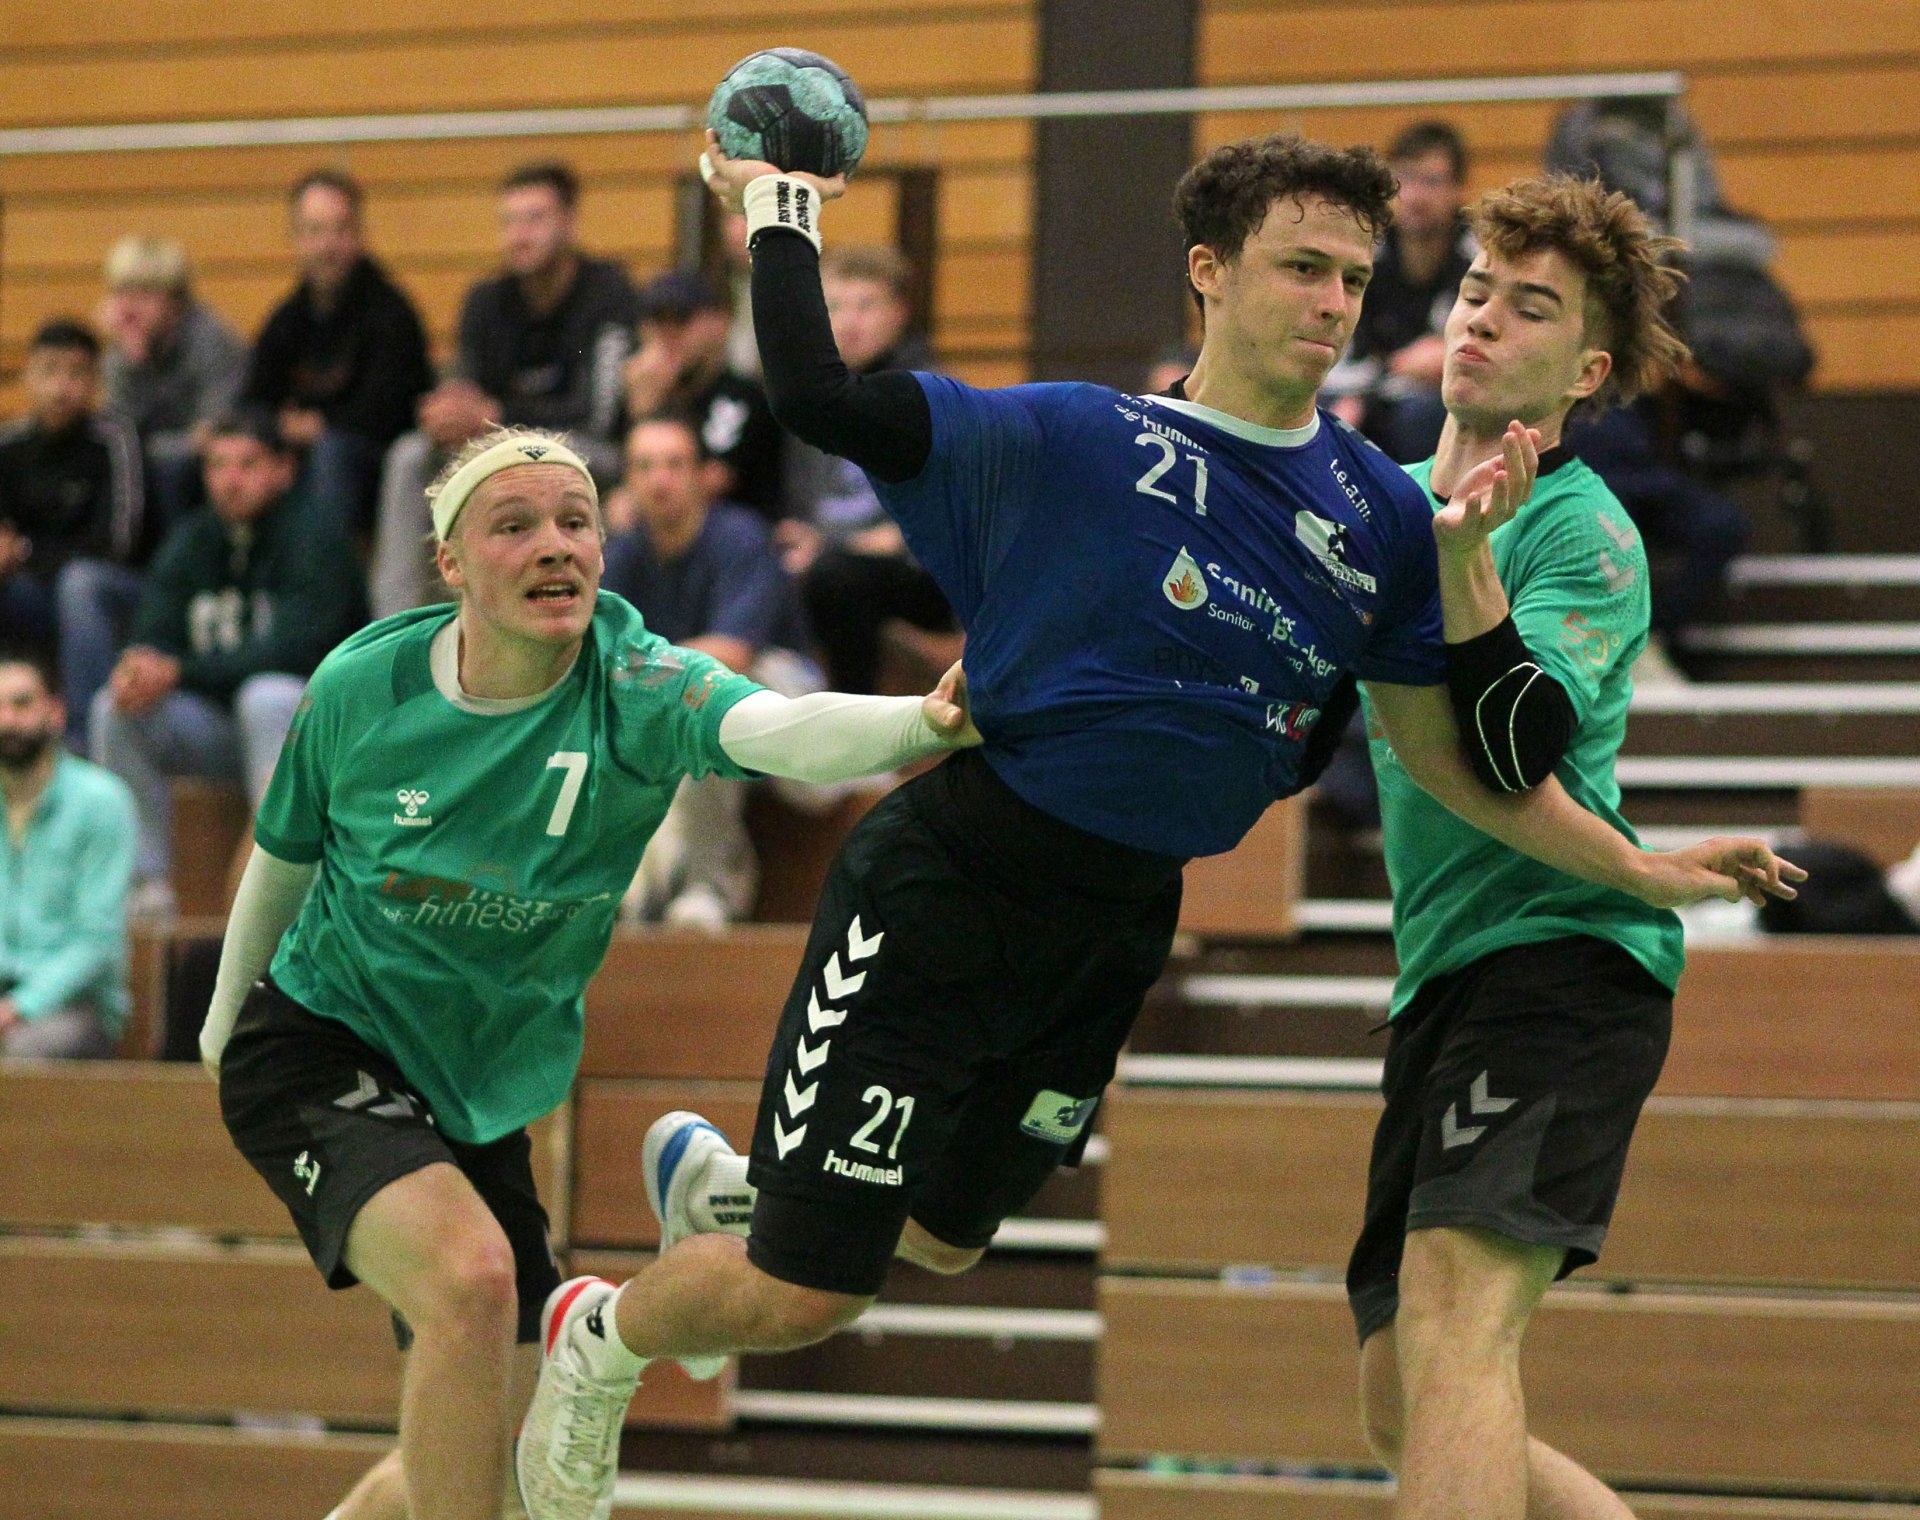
[1158, 597]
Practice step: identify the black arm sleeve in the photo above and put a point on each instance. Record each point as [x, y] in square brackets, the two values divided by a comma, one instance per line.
[881, 422]
[1515, 720]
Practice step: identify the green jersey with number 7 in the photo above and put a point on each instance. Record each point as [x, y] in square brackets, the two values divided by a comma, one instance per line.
[474, 852]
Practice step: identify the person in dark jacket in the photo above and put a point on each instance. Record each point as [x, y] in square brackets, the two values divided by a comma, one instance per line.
[541, 345]
[72, 514]
[243, 599]
[343, 359]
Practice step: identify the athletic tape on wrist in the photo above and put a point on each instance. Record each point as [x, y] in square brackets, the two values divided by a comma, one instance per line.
[779, 200]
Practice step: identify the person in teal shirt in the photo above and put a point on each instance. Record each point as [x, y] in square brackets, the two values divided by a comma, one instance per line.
[464, 794]
[64, 871]
[1532, 1010]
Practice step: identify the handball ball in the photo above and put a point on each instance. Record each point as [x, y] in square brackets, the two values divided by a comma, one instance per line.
[792, 109]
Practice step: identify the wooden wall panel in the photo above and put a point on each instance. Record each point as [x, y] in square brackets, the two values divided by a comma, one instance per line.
[610, 1207]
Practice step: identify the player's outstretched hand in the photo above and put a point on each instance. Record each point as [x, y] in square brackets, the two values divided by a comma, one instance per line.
[1490, 493]
[728, 178]
[1727, 869]
[948, 712]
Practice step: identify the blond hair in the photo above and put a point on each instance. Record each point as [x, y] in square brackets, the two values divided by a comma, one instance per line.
[149, 263]
[1631, 284]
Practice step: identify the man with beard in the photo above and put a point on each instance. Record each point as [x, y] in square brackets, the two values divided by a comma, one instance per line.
[63, 875]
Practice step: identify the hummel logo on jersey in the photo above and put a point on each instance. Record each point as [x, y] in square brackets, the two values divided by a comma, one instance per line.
[307, 1170]
[1328, 541]
[1185, 585]
[412, 799]
[859, 1171]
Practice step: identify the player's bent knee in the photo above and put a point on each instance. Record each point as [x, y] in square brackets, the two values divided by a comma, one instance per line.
[794, 1316]
[474, 1286]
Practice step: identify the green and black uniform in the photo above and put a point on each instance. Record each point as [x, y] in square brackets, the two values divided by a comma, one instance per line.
[1531, 1012]
[471, 855]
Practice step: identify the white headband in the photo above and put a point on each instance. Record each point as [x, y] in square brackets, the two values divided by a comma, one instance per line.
[504, 455]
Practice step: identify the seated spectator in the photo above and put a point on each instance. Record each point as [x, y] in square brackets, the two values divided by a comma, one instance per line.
[243, 599]
[704, 575]
[1388, 384]
[343, 359]
[63, 878]
[71, 513]
[171, 367]
[854, 569]
[540, 345]
[681, 365]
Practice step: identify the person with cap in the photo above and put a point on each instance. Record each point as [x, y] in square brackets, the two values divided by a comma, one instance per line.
[172, 365]
[464, 795]
[540, 345]
[242, 599]
[681, 366]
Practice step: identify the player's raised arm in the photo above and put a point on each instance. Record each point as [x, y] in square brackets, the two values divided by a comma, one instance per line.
[880, 422]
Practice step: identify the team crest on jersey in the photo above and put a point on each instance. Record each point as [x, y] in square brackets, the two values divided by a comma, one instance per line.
[1328, 542]
[412, 799]
[1185, 585]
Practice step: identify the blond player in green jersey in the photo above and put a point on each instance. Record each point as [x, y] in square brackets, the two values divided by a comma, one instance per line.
[463, 798]
[1532, 1010]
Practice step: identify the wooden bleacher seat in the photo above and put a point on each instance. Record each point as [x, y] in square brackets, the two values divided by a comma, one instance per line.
[1249, 892]
[1881, 822]
[1717, 1192]
[1798, 1017]
[1746, 1391]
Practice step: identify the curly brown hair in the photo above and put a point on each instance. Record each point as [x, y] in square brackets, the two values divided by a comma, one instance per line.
[1631, 286]
[1222, 200]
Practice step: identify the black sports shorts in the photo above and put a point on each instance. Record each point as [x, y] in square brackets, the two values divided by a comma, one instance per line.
[329, 1121]
[974, 968]
[1512, 1087]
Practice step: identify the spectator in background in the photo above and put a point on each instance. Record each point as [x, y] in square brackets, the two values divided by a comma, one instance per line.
[681, 365]
[1388, 385]
[71, 514]
[705, 576]
[243, 599]
[63, 877]
[540, 345]
[854, 569]
[171, 366]
[343, 359]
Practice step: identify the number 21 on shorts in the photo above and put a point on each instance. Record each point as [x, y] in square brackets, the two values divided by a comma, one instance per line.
[574, 763]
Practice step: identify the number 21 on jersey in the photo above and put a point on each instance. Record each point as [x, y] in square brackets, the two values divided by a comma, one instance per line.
[1149, 483]
[574, 763]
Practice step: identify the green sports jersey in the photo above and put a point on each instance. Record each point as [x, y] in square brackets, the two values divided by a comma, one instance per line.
[1576, 576]
[473, 854]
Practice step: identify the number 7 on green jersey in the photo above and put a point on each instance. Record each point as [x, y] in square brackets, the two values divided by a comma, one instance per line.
[574, 763]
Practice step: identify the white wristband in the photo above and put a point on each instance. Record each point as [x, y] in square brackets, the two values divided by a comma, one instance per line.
[779, 200]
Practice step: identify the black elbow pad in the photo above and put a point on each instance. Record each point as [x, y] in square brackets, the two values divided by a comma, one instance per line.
[1515, 720]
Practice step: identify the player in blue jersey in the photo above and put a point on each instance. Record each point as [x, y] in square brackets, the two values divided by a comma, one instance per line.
[1160, 594]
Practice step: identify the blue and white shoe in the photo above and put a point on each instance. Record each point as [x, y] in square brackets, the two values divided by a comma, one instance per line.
[674, 1158]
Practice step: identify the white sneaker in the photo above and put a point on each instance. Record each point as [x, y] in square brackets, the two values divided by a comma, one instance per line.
[568, 1454]
[678, 1147]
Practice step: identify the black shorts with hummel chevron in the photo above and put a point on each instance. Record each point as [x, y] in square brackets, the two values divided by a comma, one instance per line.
[974, 968]
[1513, 1086]
[329, 1121]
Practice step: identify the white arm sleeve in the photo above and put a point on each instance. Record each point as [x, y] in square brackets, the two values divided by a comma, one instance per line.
[826, 735]
[271, 892]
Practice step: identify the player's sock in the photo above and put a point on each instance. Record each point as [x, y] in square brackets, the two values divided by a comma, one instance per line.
[606, 1355]
[721, 1199]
